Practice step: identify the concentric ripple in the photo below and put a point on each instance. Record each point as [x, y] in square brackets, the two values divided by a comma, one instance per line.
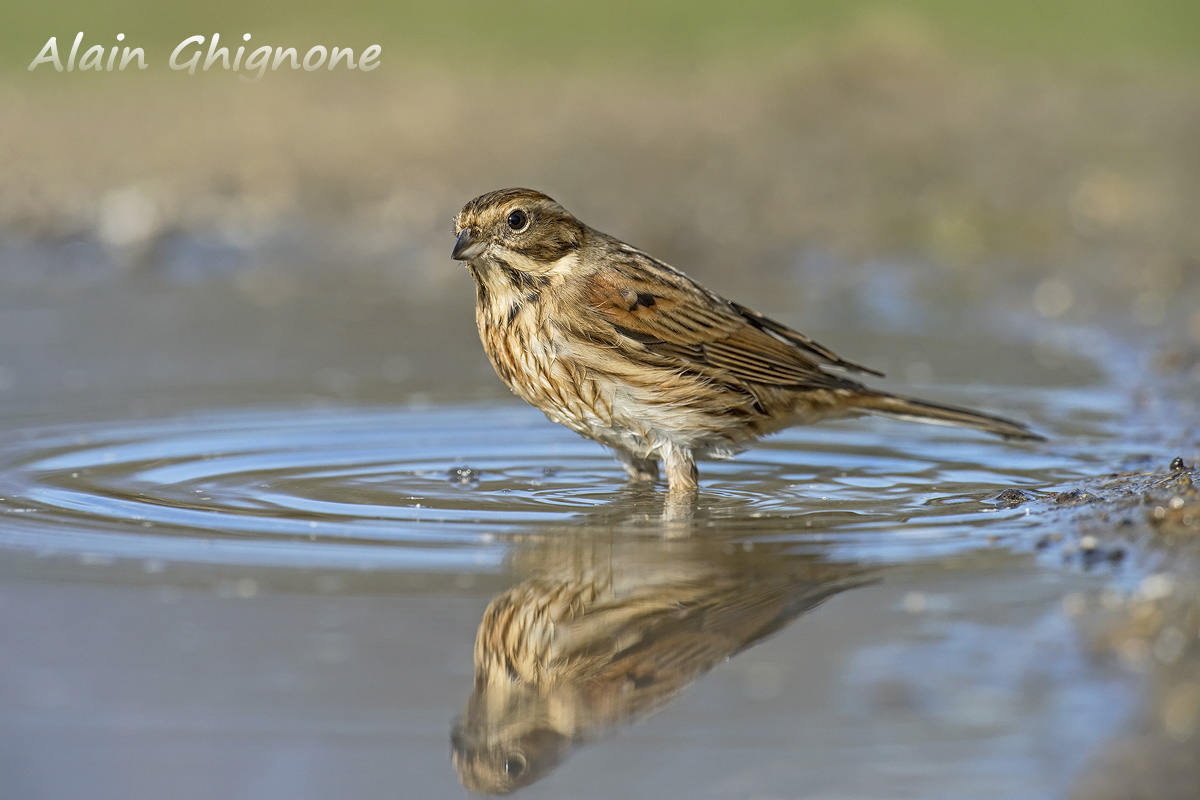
[281, 486]
[440, 488]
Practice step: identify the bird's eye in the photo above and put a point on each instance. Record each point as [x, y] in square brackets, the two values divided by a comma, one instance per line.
[514, 765]
[518, 220]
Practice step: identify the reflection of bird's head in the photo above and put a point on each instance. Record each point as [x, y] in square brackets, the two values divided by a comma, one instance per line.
[503, 762]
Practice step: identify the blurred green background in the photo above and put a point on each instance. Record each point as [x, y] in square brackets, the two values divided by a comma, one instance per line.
[567, 35]
[901, 165]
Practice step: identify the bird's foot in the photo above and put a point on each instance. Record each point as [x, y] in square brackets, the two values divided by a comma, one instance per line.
[639, 470]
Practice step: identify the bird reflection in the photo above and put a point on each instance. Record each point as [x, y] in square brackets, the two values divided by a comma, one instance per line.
[606, 630]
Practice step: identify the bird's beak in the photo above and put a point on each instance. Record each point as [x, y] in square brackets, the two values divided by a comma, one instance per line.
[466, 247]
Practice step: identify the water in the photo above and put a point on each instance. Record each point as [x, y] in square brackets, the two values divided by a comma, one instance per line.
[439, 488]
[271, 601]
[249, 538]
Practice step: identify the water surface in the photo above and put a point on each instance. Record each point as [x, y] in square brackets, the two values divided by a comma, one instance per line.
[269, 601]
[252, 523]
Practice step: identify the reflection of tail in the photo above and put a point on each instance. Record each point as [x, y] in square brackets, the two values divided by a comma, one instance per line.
[908, 408]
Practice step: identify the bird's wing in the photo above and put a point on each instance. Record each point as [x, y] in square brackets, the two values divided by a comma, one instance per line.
[663, 311]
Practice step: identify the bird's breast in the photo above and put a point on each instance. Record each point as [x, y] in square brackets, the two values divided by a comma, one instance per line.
[539, 363]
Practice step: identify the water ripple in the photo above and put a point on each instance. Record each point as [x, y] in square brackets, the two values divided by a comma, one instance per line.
[442, 488]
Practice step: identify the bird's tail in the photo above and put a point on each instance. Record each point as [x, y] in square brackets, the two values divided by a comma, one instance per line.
[909, 408]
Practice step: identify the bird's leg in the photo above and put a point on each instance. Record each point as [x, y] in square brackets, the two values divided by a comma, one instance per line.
[682, 476]
[640, 470]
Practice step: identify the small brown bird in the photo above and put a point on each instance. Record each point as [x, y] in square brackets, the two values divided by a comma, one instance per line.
[627, 350]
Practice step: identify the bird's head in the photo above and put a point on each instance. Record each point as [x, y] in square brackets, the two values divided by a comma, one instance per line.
[520, 229]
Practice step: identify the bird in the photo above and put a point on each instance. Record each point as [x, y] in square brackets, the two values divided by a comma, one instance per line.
[627, 350]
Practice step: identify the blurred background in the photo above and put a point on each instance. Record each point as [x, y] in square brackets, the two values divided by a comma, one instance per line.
[922, 166]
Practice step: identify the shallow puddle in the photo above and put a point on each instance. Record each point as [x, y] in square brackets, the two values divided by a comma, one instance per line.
[445, 488]
[252, 603]
[241, 557]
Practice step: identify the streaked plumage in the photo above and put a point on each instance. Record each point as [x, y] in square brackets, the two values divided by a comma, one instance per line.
[627, 350]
